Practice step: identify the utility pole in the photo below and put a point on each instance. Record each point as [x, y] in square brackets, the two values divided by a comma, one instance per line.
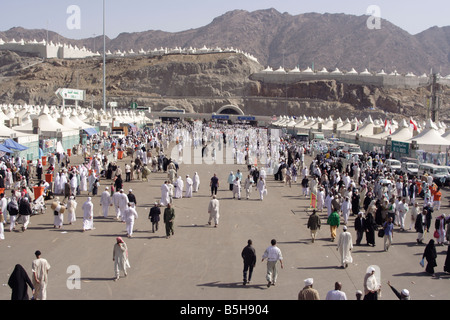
[434, 109]
[104, 59]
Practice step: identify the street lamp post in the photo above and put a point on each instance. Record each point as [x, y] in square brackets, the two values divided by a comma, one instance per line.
[104, 59]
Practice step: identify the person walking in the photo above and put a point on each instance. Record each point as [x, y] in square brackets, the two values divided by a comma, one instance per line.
[71, 207]
[196, 182]
[131, 197]
[308, 292]
[430, 255]
[359, 228]
[261, 186]
[273, 255]
[169, 216]
[13, 210]
[40, 268]
[130, 216]
[419, 225]
[369, 226]
[231, 178]
[447, 261]
[248, 183]
[105, 202]
[237, 188]
[154, 216]
[314, 225]
[120, 258]
[88, 215]
[337, 293]
[345, 246]
[249, 257]
[25, 212]
[18, 282]
[189, 187]
[388, 227]
[334, 221]
[214, 184]
[213, 210]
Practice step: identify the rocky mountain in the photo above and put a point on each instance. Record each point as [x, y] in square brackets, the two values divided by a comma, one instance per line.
[276, 39]
[199, 83]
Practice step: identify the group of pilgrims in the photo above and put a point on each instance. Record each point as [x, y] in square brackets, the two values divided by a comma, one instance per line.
[362, 187]
[357, 186]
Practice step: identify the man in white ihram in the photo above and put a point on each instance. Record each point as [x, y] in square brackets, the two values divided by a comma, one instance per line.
[213, 210]
[344, 246]
[273, 254]
[130, 215]
[105, 202]
[189, 183]
[122, 202]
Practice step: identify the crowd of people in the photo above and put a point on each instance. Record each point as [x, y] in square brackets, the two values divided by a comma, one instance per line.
[358, 187]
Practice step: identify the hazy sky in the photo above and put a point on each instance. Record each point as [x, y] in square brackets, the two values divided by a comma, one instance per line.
[413, 16]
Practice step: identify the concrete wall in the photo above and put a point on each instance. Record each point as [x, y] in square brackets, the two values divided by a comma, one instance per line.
[398, 81]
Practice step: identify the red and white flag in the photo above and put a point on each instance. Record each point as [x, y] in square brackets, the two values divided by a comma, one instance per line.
[387, 125]
[413, 124]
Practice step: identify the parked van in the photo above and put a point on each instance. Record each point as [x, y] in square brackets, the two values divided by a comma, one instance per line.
[440, 174]
[393, 165]
[352, 149]
[410, 169]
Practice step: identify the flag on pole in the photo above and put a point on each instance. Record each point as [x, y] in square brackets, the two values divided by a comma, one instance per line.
[413, 124]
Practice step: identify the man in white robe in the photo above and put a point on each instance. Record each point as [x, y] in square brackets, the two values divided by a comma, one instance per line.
[73, 185]
[344, 246]
[123, 203]
[196, 182]
[261, 186]
[189, 183]
[165, 199]
[105, 202]
[115, 200]
[130, 215]
[237, 188]
[88, 215]
[213, 210]
[248, 186]
[83, 179]
[346, 208]
[71, 207]
[179, 188]
[320, 199]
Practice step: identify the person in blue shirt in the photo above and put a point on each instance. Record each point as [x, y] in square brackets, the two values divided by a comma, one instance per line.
[388, 227]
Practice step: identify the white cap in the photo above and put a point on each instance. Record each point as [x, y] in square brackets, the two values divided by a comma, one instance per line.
[405, 292]
[309, 281]
[345, 228]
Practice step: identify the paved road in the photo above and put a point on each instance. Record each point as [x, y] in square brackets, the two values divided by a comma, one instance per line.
[201, 262]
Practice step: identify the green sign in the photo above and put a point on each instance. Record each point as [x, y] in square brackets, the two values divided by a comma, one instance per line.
[400, 147]
[134, 105]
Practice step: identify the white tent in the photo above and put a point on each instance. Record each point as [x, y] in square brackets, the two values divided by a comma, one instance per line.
[403, 133]
[430, 140]
[366, 129]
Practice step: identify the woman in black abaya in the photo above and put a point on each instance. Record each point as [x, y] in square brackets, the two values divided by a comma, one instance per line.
[430, 255]
[447, 261]
[18, 282]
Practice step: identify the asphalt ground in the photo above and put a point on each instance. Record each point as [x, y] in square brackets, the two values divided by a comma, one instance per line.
[201, 262]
